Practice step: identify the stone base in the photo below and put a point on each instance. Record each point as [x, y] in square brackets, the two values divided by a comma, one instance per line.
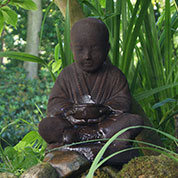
[67, 163]
[7, 175]
[43, 170]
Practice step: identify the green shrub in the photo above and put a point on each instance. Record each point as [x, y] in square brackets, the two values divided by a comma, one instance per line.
[20, 100]
[27, 153]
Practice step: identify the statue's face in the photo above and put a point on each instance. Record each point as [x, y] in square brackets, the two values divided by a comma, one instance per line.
[89, 50]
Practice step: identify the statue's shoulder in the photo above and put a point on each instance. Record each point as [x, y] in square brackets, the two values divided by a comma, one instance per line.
[67, 70]
[113, 69]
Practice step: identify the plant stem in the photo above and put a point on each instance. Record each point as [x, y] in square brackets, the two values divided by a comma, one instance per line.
[5, 4]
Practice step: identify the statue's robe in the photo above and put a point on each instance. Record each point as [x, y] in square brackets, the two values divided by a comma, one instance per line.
[107, 86]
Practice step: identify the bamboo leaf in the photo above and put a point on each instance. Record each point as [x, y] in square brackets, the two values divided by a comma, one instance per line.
[59, 37]
[132, 36]
[95, 11]
[176, 3]
[22, 56]
[67, 50]
[167, 100]
[167, 44]
[44, 19]
[56, 52]
[148, 93]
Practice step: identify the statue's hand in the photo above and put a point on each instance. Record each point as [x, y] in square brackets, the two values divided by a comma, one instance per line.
[70, 136]
[87, 114]
[90, 111]
[96, 120]
[75, 121]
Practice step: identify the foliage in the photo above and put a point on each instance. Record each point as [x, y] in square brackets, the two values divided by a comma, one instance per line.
[9, 16]
[14, 38]
[27, 153]
[62, 53]
[19, 98]
[143, 45]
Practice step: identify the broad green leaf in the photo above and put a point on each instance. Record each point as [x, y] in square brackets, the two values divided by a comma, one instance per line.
[56, 66]
[32, 139]
[29, 4]
[22, 56]
[25, 4]
[1, 22]
[10, 16]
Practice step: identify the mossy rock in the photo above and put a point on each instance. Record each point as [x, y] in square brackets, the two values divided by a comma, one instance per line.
[103, 172]
[7, 175]
[150, 167]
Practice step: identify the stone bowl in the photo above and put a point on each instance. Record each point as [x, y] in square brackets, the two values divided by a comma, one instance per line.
[88, 111]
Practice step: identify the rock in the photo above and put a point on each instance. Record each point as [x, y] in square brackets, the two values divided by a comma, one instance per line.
[150, 167]
[7, 175]
[102, 172]
[67, 163]
[43, 170]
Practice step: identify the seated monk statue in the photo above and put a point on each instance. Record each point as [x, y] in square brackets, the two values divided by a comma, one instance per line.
[90, 99]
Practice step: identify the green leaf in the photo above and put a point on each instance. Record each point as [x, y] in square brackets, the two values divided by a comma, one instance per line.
[176, 3]
[25, 4]
[56, 66]
[32, 139]
[56, 52]
[148, 93]
[67, 50]
[43, 21]
[1, 22]
[10, 152]
[10, 16]
[95, 11]
[22, 56]
[167, 100]
[10, 124]
[59, 37]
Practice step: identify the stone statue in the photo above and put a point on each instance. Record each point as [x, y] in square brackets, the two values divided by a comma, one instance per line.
[90, 99]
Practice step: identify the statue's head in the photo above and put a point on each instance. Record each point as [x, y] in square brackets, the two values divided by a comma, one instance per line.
[90, 43]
